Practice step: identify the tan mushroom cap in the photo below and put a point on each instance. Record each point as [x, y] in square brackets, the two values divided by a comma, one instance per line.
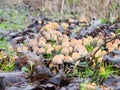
[41, 43]
[117, 41]
[49, 50]
[75, 56]
[80, 49]
[100, 42]
[65, 51]
[57, 59]
[64, 25]
[42, 39]
[71, 20]
[68, 59]
[41, 50]
[65, 44]
[50, 26]
[58, 33]
[86, 41]
[70, 49]
[53, 36]
[99, 59]
[33, 43]
[57, 48]
[73, 42]
[98, 53]
[79, 41]
[115, 45]
[104, 52]
[22, 49]
[47, 36]
[36, 49]
[65, 38]
[109, 44]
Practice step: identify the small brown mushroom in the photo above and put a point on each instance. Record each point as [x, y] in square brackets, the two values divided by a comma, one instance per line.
[104, 53]
[64, 25]
[73, 42]
[68, 59]
[70, 49]
[86, 41]
[80, 49]
[42, 39]
[57, 59]
[41, 43]
[98, 53]
[47, 36]
[109, 44]
[65, 44]
[33, 43]
[100, 59]
[75, 56]
[65, 51]
[36, 49]
[41, 50]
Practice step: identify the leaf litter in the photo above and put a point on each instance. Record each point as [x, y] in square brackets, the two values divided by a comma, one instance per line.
[59, 55]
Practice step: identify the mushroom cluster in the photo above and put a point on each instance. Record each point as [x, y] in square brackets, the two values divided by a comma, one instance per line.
[51, 41]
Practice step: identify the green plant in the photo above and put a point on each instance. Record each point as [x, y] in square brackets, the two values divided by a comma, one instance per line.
[82, 86]
[31, 66]
[8, 67]
[117, 31]
[89, 47]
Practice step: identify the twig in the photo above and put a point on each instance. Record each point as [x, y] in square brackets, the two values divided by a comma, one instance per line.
[61, 12]
[106, 41]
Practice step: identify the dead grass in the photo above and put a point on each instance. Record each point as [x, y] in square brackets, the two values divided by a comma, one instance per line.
[88, 8]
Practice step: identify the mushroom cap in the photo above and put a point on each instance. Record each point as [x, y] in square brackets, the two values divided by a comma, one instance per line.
[86, 41]
[65, 44]
[104, 52]
[111, 49]
[46, 35]
[117, 41]
[57, 48]
[33, 43]
[98, 53]
[49, 50]
[50, 26]
[57, 59]
[99, 59]
[65, 51]
[115, 45]
[71, 20]
[36, 49]
[42, 39]
[61, 56]
[73, 42]
[64, 25]
[80, 49]
[53, 36]
[75, 55]
[41, 50]
[79, 41]
[22, 48]
[109, 44]
[99, 42]
[41, 43]
[68, 59]
[70, 49]
[37, 36]
[58, 33]
[65, 38]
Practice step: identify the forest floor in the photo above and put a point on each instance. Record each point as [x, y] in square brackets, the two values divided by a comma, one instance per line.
[39, 53]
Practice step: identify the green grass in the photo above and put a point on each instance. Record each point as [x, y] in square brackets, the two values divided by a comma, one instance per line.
[13, 19]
